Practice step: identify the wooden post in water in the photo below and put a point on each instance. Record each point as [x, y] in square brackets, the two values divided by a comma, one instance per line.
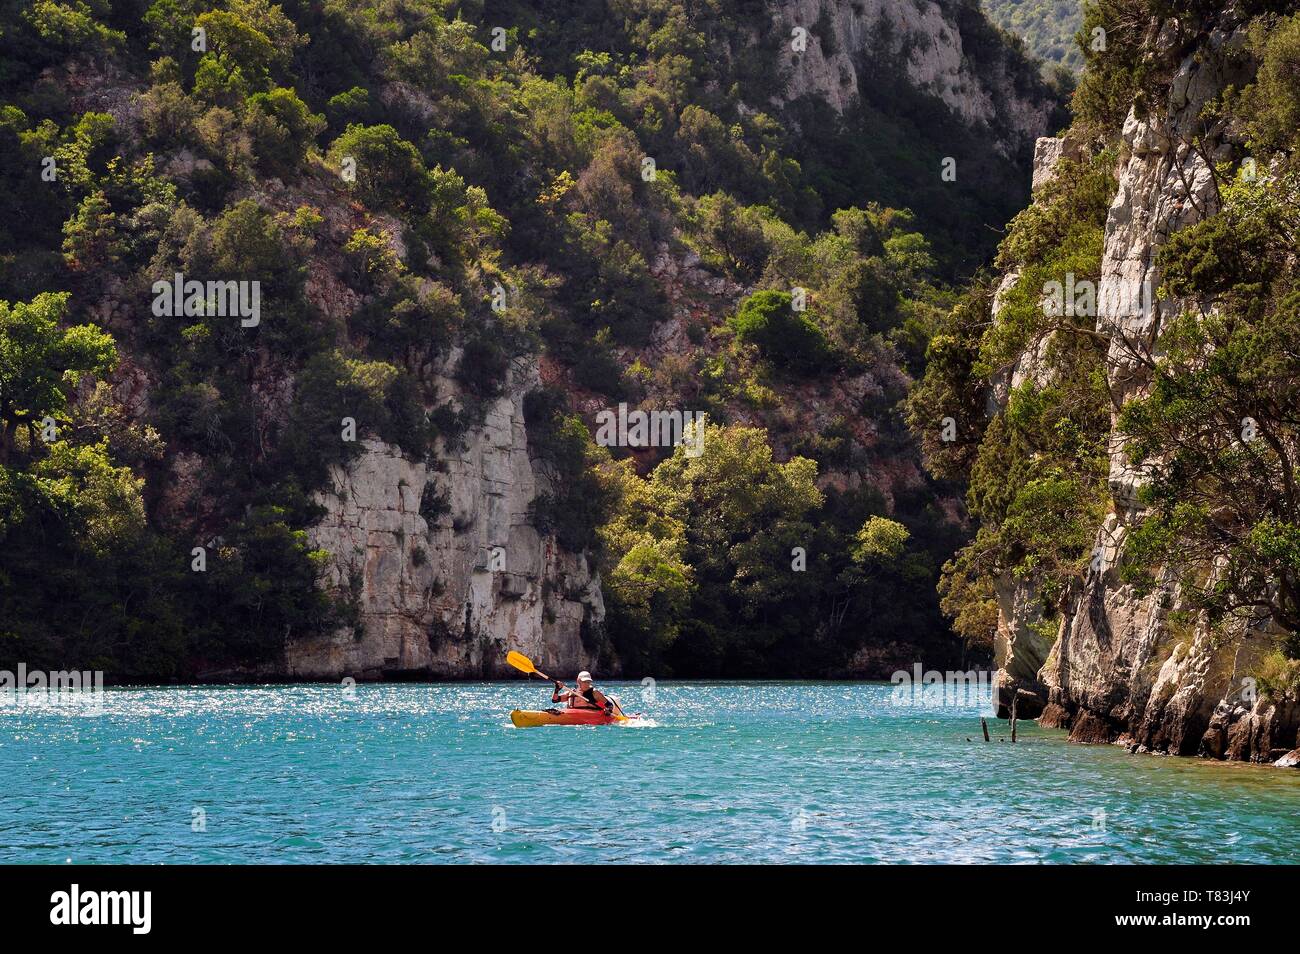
[1014, 699]
[984, 724]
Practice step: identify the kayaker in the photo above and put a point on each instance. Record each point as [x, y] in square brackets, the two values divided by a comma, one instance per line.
[586, 696]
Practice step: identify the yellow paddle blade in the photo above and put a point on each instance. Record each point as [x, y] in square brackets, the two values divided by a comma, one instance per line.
[520, 662]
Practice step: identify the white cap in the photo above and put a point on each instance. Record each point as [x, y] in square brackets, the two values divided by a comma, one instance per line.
[584, 676]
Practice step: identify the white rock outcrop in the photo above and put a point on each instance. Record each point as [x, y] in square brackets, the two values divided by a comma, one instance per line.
[448, 591]
[846, 41]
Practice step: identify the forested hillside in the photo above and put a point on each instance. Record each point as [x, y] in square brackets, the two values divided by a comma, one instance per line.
[1048, 28]
[419, 201]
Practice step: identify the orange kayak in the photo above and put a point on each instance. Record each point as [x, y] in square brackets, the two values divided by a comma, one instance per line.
[527, 718]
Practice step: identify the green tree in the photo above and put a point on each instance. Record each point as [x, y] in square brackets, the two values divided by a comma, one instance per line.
[581, 494]
[647, 582]
[946, 409]
[91, 238]
[284, 130]
[389, 170]
[783, 336]
[249, 40]
[731, 236]
[73, 26]
[720, 527]
[40, 360]
[880, 543]
[1272, 103]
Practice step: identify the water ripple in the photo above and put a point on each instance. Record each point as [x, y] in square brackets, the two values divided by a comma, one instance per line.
[723, 772]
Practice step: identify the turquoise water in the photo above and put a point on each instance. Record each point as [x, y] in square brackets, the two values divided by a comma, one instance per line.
[721, 772]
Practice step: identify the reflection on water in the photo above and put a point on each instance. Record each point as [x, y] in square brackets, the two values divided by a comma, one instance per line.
[725, 772]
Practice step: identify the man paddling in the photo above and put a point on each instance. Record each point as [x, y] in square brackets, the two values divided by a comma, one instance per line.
[586, 696]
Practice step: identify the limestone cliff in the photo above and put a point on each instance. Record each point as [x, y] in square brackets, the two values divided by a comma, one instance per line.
[444, 564]
[427, 599]
[1123, 667]
[946, 49]
[377, 182]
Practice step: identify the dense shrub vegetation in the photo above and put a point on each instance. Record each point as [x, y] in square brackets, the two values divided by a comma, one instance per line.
[702, 555]
[1213, 436]
[420, 197]
[1217, 435]
[1046, 26]
[1036, 471]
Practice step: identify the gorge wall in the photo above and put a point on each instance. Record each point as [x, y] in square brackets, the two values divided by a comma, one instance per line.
[1122, 666]
[944, 49]
[441, 230]
[448, 592]
[429, 600]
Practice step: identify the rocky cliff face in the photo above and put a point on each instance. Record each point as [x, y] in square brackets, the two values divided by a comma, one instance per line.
[945, 49]
[443, 562]
[429, 601]
[446, 594]
[1122, 668]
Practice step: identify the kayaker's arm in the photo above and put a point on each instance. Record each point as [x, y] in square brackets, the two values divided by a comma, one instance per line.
[557, 695]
